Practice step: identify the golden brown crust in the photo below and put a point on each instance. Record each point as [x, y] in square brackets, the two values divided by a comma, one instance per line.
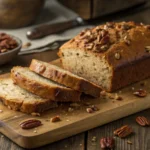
[128, 40]
[44, 91]
[73, 82]
[38, 107]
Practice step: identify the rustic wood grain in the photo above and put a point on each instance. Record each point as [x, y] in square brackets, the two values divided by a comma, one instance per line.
[140, 138]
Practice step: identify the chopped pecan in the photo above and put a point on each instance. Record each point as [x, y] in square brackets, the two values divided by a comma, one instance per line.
[26, 45]
[107, 143]
[104, 47]
[89, 46]
[117, 56]
[94, 108]
[104, 33]
[89, 110]
[104, 39]
[126, 27]
[123, 131]
[110, 24]
[143, 121]
[140, 93]
[31, 123]
[117, 97]
[55, 119]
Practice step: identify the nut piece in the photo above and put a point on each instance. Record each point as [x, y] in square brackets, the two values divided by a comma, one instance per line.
[55, 119]
[107, 143]
[140, 93]
[143, 121]
[89, 110]
[26, 45]
[119, 98]
[92, 108]
[123, 131]
[31, 123]
[35, 114]
[117, 56]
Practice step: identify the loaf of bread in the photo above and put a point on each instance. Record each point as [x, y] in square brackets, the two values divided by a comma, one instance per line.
[43, 87]
[16, 98]
[64, 77]
[112, 55]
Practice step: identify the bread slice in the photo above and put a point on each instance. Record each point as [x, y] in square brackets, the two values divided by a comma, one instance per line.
[19, 99]
[112, 55]
[43, 87]
[64, 77]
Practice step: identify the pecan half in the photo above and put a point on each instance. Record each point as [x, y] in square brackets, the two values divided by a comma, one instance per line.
[140, 93]
[107, 143]
[123, 131]
[143, 121]
[29, 124]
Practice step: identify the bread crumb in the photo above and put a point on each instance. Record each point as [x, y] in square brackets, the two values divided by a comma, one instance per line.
[133, 88]
[35, 131]
[129, 142]
[117, 97]
[35, 114]
[70, 109]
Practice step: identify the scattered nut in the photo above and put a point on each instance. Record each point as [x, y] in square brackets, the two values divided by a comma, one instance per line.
[103, 93]
[140, 93]
[26, 45]
[107, 143]
[129, 142]
[123, 131]
[31, 123]
[117, 97]
[89, 110]
[35, 114]
[94, 139]
[55, 119]
[143, 121]
[94, 108]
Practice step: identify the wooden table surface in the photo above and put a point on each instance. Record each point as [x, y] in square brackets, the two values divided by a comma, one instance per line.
[141, 137]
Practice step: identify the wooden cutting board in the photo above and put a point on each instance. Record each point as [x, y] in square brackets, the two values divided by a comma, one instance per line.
[72, 122]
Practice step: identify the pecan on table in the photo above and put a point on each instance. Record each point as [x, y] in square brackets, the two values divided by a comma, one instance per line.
[107, 143]
[140, 93]
[143, 121]
[123, 131]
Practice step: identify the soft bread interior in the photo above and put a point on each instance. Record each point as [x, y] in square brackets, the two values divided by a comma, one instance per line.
[91, 67]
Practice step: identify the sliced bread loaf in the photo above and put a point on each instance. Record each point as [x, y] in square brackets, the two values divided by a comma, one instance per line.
[19, 99]
[64, 77]
[112, 55]
[43, 87]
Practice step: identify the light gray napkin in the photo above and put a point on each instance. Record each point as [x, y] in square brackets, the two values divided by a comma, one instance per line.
[53, 12]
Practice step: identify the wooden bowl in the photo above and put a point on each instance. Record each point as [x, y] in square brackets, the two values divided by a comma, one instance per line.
[19, 13]
[9, 55]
